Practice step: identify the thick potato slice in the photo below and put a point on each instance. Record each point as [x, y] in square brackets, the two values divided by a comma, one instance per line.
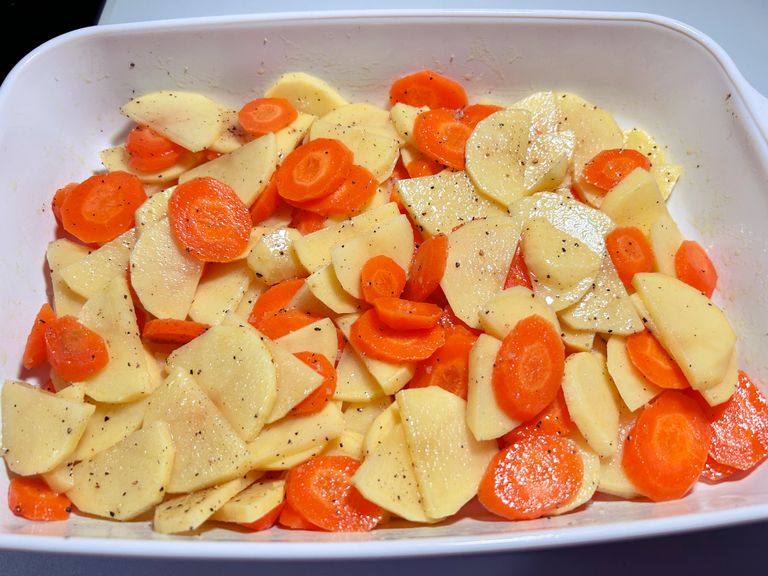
[40, 430]
[441, 202]
[127, 479]
[235, 369]
[208, 450]
[479, 254]
[635, 201]
[60, 254]
[190, 119]
[485, 418]
[723, 391]
[543, 109]
[502, 312]
[666, 175]
[380, 427]
[691, 328]
[592, 401]
[295, 381]
[289, 137]
[219, 291]
[89, 275]
[163, 275]
[252, 503]
[247, 170]
[348, 443]
[634, 388]
[116, 159]
[319, 337]
[577, 340]
[154, 209]
[109, 424]
[665, 239]
[306, 93]
[358, 416]
[613, 480]
[547, 161]
[590, 479]
[354, 383]
[273, 258]
[325, 286]
[403, 117]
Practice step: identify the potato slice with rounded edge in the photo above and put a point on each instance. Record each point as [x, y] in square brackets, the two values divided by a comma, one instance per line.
[354, 383]
[547, 161]
[306, 301]
[666, 174]
[485, 418]
[381, 426]
[496, 154]
[592, 401]
[219, 291]
[635, 201]
[154, 209]
[543, 109]
[273, 258]
[613, 480]
[364, 115]
[127, 479]
[319, 337]
[255, 289]
[479, 254]
[665, 239]
[191, 120]
[109, 424]
[723, 391]
[40, 430]
[75, 392]
[287, 462]
[60, 479]
[89, 275]
[403, 117]
[358, 416]
[116, 159]
[691, 328]
[502, 312]
[306, 93]
[590, 477]
[247, 170]
[60, 254]
[349, 443]
[258, 499]
[326, 288]
[232, 136]
[289, 137]
[295, 381]
[577, 340]
[634, 388]
[163, 275]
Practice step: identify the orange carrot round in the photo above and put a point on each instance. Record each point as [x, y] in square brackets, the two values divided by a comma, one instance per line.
[381, 277]
[321, 490]
[313, 170]
[266, 203]
[665, 452]
[377, 340]
[102, 207]
[348, 199]
[440, 136]
[265, 522]
[274, 300]
[405, 314]
[650, 358]
[518, 274]
[554, 419]
[34, 351]
[319, 397]
[171, 331]
[473, 114]
[693, 266]
[292, 520]
[209, 220]
[630, 252]
[427, 268]
[31, 498]
[74, 351]
[714, 472]
[609, 167]
[428, 88]
[58, 199]
[306, 222]
[423, 167]
[448, 367]
[149, 151]
[265, 115]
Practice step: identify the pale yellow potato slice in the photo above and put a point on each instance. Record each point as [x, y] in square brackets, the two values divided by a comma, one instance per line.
[258, 499]
[306, 93]
[409, 153]
[295, 381]
[292, 135]
[364, 115]
[232, 136]
[60, 254]
[723, 391]
[634, 388]
[349, 443]
[381, 426]
[61, 478]
[293, 460]
[354, 383]
[577, 340]
[665, 240]
[306, 301]
[479, 254]
[590, 478]
[613, 480]
[691, 328]
[116, 159]
[190, 119]
[109, 424]
[74, 392]
[503, 311]
[358, 416]
[40, 429]
[666, 174]
[325, 286]
[273, 258]
[547, 161]
[154, 209]
[252, 293]
[219, 291]
[319, 337]
[543, 109]
[635, 201]
[403, 117]
[127, 479]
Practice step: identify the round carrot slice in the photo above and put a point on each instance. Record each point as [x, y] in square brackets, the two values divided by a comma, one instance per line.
[209, 220]
[428, 88]
[665, 452]
[321, 491]
[448, 367]
[319, 397]
[171, 331]
[58, 199]
[306, 222]
[102, 207]
[292, 520]
[532, 476]
[473, 114]
[266, 203]
[554, 419]
[31, 498]
[313, 170]
[442, 137]
[714, 472]
[529, 368]
[630, 252]
[74, 351]
[381, 277]
[34, 351]
[423, 167]
[650, 358]
[149, 151]
[265, 115]
[348, 199]
[377, 340]
[609, 167]
[405, 314]
[427, 268]
[693, 266]
[274, 300]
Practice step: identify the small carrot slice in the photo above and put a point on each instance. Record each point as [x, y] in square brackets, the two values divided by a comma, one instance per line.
[292, 520]
[171, 331]
[149, 151]
[714, 472]
[381, 277]
[209, 220]
[448, 367]
[554, 419]
[264, 115]
[473, 114]
[266, 203]
[348, 199]
[274, 300]
[423, 167]
[427, 268]
[609, 167]
[34, 351]
[535, 474]
[428, 88]
[405, 314]
[265, 522]
[650, 358]
[518, 274]
[102, 207]
[285, 322]
[693, 266]
[529, 368]
[442, 137]
[630, 252]
[665, 452]
[58, 199]
[31, 498]
[317, 400]
[306, 222]
[313, 170]
[321, 490]
[377, 340]
[74, 351]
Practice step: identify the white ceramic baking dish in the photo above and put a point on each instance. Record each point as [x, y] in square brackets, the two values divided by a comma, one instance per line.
[60, 106]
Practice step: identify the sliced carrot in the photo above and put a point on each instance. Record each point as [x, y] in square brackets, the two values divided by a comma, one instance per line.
[427, 268]
[265, 522]
[714, 472]
[442, 137]
[399, 173]
[74, 351]
[650, 358]
[693, 266]
[532, 476]
[149, 151]
[209, 220]
[518, 274]
[34, 351]
[31, 498]
[665, 452]
[58, 199]
[171, 331]
[313, 170]
[381, 276]
[428, 88]
[265, 115]
[306, 222]
[630, 252]
[317, 400]
[529, 368]
[554, 419]
[473, 114]
[274, 300]
[609, 167]
[405, 314]
[740, 427]
[321, 490]
[377, 340]
[448, 367]
[102, 207]
[266, 203]
[424, 167]
[348, 199]
[285, 322]
[292, 520]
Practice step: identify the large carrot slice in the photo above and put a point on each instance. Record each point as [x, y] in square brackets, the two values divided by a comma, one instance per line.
[321, 491]
[473, 114]
[209, 220]
[34, 351]
[630, 252]
[266, 203]
[381, 277]
[265, 115]
[317, 400]
[407, 315]
[442, 137]
[265, 522]
[427, 268]
[518, 274]
[348, 199]
[31, 498]
[529, 368]
[102, 207]
[377, 340]
[535, 474]
[428, 88]
[609, 167]
[149, 151]
[313, 170]
[171, 331]
[693, 266]
[448, 367]
[650, 358]
[74, 351]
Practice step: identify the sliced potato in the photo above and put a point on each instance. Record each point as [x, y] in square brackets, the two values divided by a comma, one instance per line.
[547, 161]
[219, 291]
[634, 388]
[325, 286]
[289, 137]
[291, 461]
[665, 239]
[577, 340]
[61, 478]
[543, 109]
[319, 337]
[635, 201]
[306, 93]
[255, 289]
[109, 424]
[252, 503]
[116, 159]
[354, 383]
[723, 391]
[590, 479]
[403, 117]
[613, 480]
[295, 381]
[666, 174]
[348, 443]
[502, 312]
[60, 254]
[273, 258]
[364, 115]
[74, 392]
[232, 136]
[380, 427]
[306, 301]
[154, 209]
[358, 416]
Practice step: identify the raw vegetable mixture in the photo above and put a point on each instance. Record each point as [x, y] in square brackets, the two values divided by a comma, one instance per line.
[323, 315]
